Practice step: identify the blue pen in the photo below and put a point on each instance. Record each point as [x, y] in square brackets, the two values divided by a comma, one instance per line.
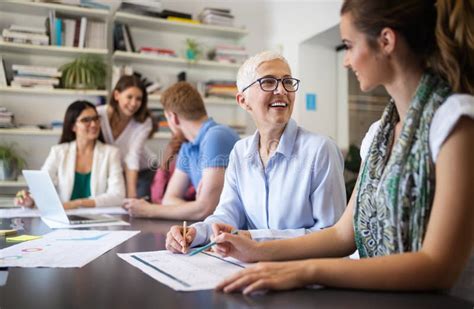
[194, 252]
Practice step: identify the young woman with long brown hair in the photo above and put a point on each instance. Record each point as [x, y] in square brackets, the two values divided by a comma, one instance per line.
[411, 216]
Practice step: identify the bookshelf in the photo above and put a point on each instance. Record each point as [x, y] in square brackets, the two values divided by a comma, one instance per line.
[33, 106]
[159, 33]
[179, 27]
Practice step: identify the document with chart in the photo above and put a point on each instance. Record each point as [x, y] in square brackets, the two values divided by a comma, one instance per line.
[63, 248]
[183, 272]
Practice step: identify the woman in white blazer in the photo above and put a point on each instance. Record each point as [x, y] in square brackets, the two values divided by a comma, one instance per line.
[85, 171]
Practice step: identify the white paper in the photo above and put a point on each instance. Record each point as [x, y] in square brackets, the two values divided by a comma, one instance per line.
[19, 212]
[183, 272]
[63, 248]
[59, 225]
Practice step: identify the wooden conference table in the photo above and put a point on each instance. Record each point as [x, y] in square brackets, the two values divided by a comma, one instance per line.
[110, 282]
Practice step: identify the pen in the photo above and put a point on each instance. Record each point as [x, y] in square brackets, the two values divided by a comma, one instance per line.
[184, 235]
[234, 232]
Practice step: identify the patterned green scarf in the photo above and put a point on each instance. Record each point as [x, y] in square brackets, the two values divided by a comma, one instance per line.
[396, 190]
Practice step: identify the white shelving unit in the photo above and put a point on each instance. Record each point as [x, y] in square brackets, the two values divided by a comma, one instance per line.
[34, 106]
[40, 8]
[166, 60]
[179, 27]
[49, 50]
[34, 131]
[54, 92]
[160, 33]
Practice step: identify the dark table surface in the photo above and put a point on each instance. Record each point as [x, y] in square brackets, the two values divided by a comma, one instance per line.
[110, 282]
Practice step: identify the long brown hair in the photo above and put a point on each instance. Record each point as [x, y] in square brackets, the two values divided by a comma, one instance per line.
[455, 37]
[125, 82]
[73, 112]
[440, 32]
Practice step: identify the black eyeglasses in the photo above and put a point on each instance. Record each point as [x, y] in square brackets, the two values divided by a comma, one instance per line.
[88, 120]
[270, 84]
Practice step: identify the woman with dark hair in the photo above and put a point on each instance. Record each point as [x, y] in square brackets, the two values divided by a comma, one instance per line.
[86, 172]
[411, 216]
[126, 123]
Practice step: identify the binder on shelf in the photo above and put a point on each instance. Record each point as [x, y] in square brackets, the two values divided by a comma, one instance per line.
[59, 32]
[128, 38]
[77, 32]
[3, 73]
[119, 40]
[51, 26]
[82, 34]
[69, 29]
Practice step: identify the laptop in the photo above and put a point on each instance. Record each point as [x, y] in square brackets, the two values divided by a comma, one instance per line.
[49, 204]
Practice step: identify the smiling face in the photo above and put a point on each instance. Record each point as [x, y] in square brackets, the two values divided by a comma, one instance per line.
[370, 68]
[269, 109]
[87, 125]
[129, 101]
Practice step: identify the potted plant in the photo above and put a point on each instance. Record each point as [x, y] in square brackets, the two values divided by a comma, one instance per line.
[10, 163]
[85, 72]
[192, 49]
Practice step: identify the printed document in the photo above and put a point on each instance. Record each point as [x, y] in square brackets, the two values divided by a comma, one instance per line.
[183, 272]
[63, 248]
[19, 212]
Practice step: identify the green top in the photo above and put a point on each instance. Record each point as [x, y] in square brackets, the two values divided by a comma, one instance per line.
[82, 186]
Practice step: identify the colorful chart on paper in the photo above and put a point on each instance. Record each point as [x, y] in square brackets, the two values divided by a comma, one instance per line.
[63, 248]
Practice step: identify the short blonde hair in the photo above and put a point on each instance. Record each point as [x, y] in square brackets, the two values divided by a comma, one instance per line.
[248, 70]
[183, 99]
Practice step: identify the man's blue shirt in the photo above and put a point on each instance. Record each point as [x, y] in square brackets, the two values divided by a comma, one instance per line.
[211, 148]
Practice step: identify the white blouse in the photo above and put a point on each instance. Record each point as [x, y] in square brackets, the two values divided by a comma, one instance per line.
[444, 121]
[131, 142]
[107, 183]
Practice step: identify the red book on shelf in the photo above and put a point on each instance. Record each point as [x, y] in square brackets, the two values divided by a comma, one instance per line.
[157, 50]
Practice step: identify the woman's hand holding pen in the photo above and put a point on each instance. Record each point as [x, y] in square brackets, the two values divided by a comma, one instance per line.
[176, 243]
[23, 198]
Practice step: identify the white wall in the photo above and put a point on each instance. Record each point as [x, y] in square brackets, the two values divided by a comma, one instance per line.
[293, 22]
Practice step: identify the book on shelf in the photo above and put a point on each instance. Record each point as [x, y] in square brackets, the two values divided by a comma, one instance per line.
[149, 8]
[51, 25]
[216, 16]
[154, 88]
[82, 33]
[7, 119]
[220, 88]
[157, 51]
[3, 73]
[228, 54]
[24, 37]
[38, 77]
[27, 29]
[95, 35]
[183, 20]
[170, 13]
[36, 70]
[82, 3]
[59, 31]
[118, 71]
[35, 80]
[127, 36]
[69, 29]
